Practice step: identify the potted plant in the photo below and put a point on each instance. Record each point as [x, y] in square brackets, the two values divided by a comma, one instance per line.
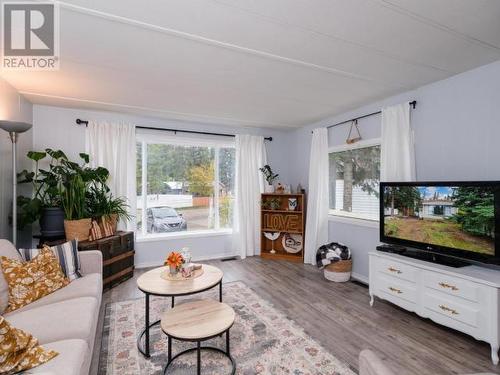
[103, 206]
[45, 203]
[270, 178]
[174, 261]
[67, 195]
[76, 220]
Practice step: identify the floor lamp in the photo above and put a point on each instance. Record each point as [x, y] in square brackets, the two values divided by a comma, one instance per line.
[14, 128]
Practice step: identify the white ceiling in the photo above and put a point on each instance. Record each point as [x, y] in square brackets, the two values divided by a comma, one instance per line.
[268, 63]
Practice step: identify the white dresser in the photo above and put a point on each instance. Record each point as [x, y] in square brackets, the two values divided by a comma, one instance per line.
[465, 299]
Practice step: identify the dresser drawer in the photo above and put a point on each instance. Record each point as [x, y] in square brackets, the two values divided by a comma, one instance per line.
[452, 308]
[396, 269]
[452, 285]
[397, 288]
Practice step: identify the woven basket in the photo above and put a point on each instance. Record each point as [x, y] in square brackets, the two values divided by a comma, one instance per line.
[77, 229]
[339, 271]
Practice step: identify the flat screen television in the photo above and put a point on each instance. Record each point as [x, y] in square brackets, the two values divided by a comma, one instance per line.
[457, 219]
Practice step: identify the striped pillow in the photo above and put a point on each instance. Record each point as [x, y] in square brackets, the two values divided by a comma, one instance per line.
[66, 254]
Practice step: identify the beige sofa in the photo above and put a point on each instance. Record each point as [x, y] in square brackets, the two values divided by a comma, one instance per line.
[65, 320]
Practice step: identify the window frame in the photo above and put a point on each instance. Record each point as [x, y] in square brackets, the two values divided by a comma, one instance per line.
[344, 217]
[156, 137]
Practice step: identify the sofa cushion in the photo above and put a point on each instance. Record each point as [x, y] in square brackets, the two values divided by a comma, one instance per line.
[66, 254]
[30, 281]
[19, 350]
[71, 319]
[86, 286]
[71, 358]
[8, 250]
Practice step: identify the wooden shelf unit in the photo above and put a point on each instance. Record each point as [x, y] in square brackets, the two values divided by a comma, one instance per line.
[284, 221]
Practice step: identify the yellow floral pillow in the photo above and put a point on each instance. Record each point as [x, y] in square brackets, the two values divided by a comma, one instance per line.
[19, 350]
[29, 281]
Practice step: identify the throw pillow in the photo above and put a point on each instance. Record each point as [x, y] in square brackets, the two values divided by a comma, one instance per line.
[95, 231]
[6, 249]
[108, 224]
[19, 350]
[66, 254]
[30, 281]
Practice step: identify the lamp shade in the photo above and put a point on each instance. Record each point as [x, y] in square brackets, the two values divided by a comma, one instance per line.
[14, 126]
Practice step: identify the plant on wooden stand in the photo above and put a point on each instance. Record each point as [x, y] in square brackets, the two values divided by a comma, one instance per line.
[76, 223]
[77, 191]
[103, 206]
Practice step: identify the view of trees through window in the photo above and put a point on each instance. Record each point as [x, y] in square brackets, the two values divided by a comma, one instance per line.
[187, 188]
[354, 182]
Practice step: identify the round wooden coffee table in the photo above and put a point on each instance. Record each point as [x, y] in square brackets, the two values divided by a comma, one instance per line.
[152, 284]
[198, 321]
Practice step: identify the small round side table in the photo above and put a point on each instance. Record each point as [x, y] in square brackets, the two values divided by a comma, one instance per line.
[152, 284]
[198, 321]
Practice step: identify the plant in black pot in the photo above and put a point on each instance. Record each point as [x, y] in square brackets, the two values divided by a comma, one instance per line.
[45, 203]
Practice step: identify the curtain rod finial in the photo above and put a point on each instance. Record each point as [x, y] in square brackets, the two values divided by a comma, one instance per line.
[80, 122]
[413, 104]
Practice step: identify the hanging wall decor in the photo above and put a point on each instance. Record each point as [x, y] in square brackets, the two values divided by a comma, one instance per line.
[354, 139]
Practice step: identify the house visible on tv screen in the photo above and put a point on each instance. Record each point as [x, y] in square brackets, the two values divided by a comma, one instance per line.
[437, 209]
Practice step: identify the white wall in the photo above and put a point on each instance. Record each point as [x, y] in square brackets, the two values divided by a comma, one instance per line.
[457, 137]
[55, 128]
[13, 107]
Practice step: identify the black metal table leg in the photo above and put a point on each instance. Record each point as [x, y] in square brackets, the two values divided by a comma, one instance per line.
[198, 357]
[169, 349]
[146, 315]
[173, 301]
[228, 350]
[198, 350]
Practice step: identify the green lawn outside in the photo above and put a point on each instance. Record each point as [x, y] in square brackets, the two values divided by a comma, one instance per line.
[438, 232]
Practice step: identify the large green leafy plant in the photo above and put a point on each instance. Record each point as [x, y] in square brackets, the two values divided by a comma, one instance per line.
[78, 189]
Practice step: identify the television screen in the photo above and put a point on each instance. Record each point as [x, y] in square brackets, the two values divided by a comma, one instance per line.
[454, 216]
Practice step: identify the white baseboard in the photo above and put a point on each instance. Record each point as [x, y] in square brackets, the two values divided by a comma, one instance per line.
[195, 259]
[360, 278]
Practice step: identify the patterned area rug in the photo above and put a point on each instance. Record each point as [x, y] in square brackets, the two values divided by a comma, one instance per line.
[263, 341]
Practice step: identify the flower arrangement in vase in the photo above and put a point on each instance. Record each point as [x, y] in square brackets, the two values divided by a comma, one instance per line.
[174, 262]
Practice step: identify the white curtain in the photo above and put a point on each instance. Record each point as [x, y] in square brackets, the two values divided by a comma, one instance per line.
[250, 156]
[318, 198]
[397, 153]
[113, 146]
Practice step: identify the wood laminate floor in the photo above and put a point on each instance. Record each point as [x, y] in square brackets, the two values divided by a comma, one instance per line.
[340, 318]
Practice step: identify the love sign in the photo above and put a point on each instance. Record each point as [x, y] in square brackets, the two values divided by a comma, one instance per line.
[281, 223]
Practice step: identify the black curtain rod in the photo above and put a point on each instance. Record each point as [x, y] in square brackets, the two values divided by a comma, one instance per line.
[413, 104]
[175, 131]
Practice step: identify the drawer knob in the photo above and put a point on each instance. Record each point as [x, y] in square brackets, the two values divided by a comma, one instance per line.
[395, 270]
[447, 309]
[395, 290]
[448, 286]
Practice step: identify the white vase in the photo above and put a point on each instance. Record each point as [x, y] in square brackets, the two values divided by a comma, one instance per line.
[269, 188]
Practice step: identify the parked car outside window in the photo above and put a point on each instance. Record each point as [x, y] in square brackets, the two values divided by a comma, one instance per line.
[165, 219]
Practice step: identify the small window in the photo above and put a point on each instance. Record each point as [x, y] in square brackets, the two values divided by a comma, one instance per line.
[354, 181]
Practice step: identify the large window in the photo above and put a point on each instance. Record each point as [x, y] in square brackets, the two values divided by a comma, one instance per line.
[354, 180]
[184, 185]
